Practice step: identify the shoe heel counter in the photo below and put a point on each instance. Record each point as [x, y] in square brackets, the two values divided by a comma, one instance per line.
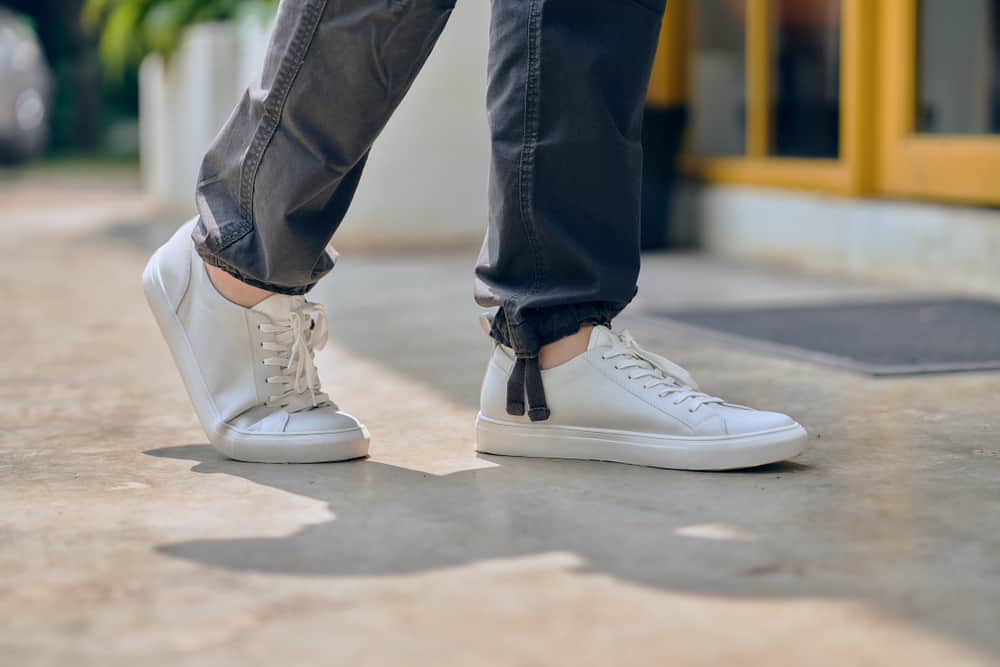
[493, 396]
[169, 269]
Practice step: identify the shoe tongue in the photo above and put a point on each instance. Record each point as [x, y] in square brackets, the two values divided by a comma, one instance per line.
[278, 306]
[601, 337]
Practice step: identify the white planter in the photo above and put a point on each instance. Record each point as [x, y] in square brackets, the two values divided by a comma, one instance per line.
[184, 103]
[425, 182]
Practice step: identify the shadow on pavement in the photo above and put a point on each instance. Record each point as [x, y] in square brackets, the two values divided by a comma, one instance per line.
[763, 538]
[621, 521]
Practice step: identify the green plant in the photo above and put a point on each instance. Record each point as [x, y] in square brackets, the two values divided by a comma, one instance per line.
[131, 29]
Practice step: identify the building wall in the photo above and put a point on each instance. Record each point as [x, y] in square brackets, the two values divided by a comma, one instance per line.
[934, 246]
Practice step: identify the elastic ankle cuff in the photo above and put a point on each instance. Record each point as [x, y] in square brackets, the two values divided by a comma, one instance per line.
[541, 326]
[214, 260]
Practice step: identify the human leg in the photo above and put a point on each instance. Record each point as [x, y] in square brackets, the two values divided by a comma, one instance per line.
[273, 188]
[562, 251]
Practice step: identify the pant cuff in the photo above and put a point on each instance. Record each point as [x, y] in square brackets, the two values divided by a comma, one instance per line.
[218, 262]
[541, 326]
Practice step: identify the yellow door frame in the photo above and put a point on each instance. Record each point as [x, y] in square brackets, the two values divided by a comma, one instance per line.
[851, 173]
[947, 167]
[668, 84]
[880, 149]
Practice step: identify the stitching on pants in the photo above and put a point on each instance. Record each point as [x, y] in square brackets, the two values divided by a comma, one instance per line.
[526, 166]
[274, 104]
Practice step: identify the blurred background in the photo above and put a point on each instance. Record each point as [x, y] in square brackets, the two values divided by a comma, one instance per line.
[821, 217]
[842, 119]
[70, 70]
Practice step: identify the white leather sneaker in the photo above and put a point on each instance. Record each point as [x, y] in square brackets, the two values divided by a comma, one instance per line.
[618, 402]
[249, 371]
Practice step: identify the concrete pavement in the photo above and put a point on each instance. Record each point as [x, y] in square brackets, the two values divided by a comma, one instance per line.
[125, 539]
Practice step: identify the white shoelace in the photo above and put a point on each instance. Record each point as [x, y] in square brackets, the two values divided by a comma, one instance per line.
[295, 342]
[658, 371]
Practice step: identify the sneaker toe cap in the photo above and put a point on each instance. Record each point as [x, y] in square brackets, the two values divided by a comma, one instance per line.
[326, 419]
[321, 420]
[754, 421]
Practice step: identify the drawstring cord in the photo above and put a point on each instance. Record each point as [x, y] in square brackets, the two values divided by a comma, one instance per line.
[526, 378]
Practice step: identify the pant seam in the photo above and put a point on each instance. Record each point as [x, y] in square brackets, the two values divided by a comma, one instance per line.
[526, 166]
[274, 105]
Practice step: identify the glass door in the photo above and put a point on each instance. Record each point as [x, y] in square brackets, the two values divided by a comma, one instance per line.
[941, 100]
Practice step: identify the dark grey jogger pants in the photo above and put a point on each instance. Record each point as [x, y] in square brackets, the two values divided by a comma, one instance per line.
[567, 83]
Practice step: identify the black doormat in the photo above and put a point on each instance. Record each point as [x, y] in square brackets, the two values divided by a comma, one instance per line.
[886, 338]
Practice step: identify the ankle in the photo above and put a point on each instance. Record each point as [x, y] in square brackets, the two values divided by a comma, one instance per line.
[235, 290]
[565, 349]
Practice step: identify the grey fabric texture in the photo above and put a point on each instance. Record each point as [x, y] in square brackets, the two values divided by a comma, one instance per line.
[567, 84]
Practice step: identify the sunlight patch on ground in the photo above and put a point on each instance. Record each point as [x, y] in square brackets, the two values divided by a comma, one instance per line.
[715, 531]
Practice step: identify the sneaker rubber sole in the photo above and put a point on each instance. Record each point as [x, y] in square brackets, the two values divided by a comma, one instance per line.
[643, 449]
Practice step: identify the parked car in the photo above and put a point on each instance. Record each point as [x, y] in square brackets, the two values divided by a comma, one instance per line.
[25, 90]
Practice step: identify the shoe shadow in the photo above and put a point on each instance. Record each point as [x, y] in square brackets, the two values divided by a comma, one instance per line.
[765, 536]
[625, 521]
